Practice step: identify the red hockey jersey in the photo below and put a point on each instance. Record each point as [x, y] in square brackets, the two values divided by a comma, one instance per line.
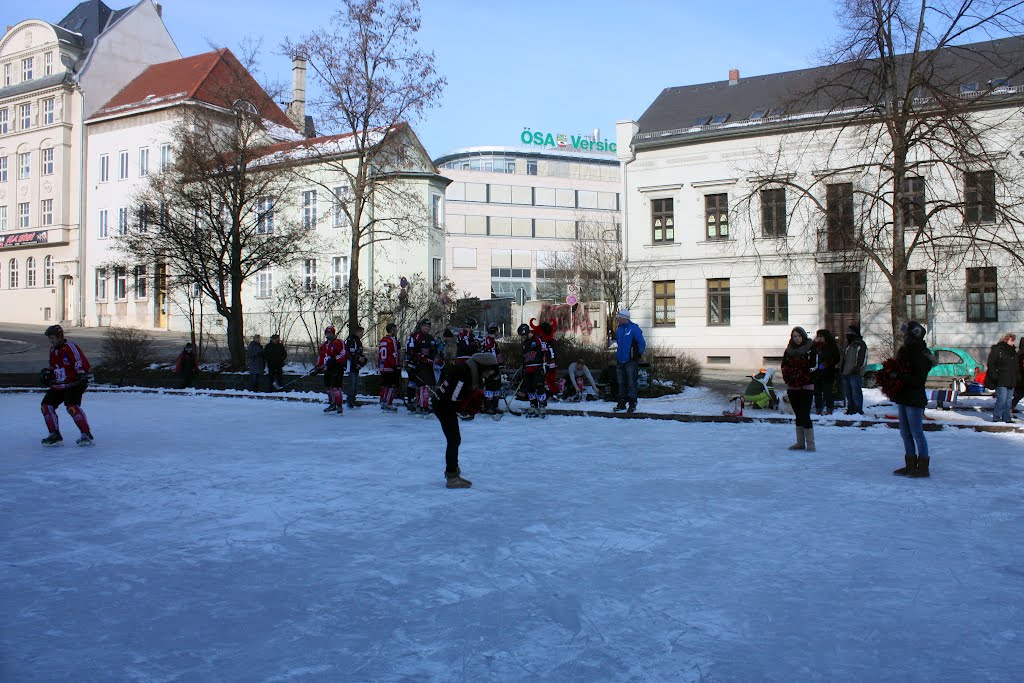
[335, 350]
[387, 354]
[69, 365]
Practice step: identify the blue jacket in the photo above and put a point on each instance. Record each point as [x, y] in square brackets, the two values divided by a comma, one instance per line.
[631, 344]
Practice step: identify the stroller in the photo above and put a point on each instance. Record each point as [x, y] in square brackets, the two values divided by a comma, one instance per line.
[760, 392]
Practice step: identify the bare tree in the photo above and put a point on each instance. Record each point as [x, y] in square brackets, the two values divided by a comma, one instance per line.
[220, 214]
[375, 81]
[314, 305]
[406, 305]
[904, 101]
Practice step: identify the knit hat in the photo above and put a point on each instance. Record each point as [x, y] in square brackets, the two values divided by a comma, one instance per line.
[623, 313]
[853, 329]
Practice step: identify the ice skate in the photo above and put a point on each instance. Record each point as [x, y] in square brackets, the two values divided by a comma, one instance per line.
[85, 440]
[619, 407]
[330, 408]
[54, 439]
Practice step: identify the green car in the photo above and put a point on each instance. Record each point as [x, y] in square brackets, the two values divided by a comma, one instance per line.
[953, 362]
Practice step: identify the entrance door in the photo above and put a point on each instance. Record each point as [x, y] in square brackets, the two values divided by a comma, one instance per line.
[67, 300]
[842, 302]
[160, 300]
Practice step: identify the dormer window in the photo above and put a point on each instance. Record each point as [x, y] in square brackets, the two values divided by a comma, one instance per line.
[8, 74]
[701, 121]
[775, 111]
[48, 64]
[757, 114]
[968, 88]
[26, 69]
[719, 119]
[999, 83]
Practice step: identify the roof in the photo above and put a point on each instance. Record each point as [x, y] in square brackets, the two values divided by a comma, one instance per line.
[35, 84]
[525, 152]
[89, 19]
[679, 110]
[215, 78]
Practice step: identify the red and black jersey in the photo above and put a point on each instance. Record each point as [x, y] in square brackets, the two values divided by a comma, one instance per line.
[420, 349]
[356, 357]
[548, 348]
[533, 354]
[69, 365]
[333, 354]
[387, 354]
[490, 344]
[466, 345]
[457, 388]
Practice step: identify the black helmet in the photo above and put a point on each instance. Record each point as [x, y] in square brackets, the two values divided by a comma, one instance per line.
[54, 331]
[470, 322]
[425, 321]
[492, 328]
[523, 330]
[391, 328]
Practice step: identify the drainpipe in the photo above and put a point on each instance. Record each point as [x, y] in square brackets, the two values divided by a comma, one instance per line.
[82, 189]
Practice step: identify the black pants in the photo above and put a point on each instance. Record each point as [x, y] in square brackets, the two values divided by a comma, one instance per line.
[72, 396]
[801, 400]
[445, 411]
[275, 374]
[186, 379]
[824, 394]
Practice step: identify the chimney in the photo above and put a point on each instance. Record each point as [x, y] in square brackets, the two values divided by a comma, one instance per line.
[297, 109]
[159, 9]
[734, 76]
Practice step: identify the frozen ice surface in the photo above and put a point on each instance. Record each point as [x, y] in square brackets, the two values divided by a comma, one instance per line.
[218, 539]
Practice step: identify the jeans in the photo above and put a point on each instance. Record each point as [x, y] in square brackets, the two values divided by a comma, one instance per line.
[1017, 396]
[276, 374]
[254, 380]
[912, 430]
[1004, 399]
[626, 373]
[353, 387]
[853, 388]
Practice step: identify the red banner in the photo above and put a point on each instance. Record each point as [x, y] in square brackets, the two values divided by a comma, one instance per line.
[23, 238]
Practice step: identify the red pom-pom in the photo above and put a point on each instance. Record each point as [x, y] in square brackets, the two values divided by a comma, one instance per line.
[891, 377]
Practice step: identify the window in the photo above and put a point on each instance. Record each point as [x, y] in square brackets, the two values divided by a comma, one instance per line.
[12, 273]
[4, 124]
[839, 216]
[339, 217]
[141, 282]
[26, 69]
[435, 210]
[101, 284]
[511, 270]
[48, 272]
[719, 119]
[773, 212]
[309, 274]
[531, 167]
[265, 215]
[664, 303]
[3, 218]
[120, 283]
[264, 284]
[46, 212]
[980, 197]
[122, 221]
[662, 221]
[776, 300]
[48, 111]
[718, 302]
[143, 162]
[917, 295]
[103, 226]
[46, 159]
[24, 165]
[339, 272]
[142, 219]
[23, 215]
[842, 300]
[435, 271]
[309, 209]
[8, 77]
[48, 64]
[700, 121]
[716, 215]
[982, 295]
[913, 203]
[30, 271]
[3, 169]
[122, 169]
[104, 168]
[165, 157]
[25, 113]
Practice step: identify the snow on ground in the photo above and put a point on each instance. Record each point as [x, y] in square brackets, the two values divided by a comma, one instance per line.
[221, 539]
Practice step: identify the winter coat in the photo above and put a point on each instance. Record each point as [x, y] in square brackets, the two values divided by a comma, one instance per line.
[1002, 366]
[829, 360]
[254, 354]
[631, 343]
[356, 354]
[855, 357]
[1020, 369]
[798, 362]
[187, 363]
[275, 354]
[919, 361]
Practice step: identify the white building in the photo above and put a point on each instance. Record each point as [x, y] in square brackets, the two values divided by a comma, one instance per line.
[52, 76]
[734, 256]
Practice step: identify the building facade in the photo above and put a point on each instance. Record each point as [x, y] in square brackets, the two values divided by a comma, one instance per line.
[742, 210]
[51, 77]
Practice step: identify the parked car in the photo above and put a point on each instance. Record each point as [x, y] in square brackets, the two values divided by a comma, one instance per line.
[953, 362]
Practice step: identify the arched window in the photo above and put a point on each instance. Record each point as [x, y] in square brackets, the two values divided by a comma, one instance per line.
[12, 273]
[48, 271]
[30, 271]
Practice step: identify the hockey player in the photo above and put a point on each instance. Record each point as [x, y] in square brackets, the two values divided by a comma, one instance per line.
[459, 395]
[390, 370]
[67, 378]
[492, 387]
[419, 353]
[356, 361]
[533, 371]
[331, 362]
[546, 332]
[467, 343]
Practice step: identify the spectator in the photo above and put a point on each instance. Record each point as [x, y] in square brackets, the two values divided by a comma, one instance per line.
[275, 354]
[630, 346]
[1001, 375]
[257, 365]
[356, 360]
[187, 365]
[917, 360]
[798, 363]
[1018, 391]
[855, 359]
[829, 360]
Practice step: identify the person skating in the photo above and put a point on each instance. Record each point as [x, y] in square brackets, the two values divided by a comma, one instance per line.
[546, 333]
[331, 362]
[855, 359]
[916, 360]
[1001, 375]
[419, 353]
[387, 363]
[492, 387]
[798, 363]
[466, 344]
[275, 354]
[533, 373]
[630, 345]
[458, 395]
[186, 365]
[356, 360]
[67, 378]
[829, 360]
[257, 364]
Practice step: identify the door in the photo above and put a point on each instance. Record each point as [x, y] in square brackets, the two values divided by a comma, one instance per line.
[66, 294]
[160, 300]
[842, 302]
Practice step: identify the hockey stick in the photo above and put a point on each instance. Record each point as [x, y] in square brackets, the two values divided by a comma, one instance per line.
[505, 392]
[300, 377]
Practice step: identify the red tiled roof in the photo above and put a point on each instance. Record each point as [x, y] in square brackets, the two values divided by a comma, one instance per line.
[217, 78]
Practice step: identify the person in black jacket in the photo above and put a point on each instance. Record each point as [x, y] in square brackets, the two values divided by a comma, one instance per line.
[187, 365]
[1001, 375]
[911, 399]
[798, 363]
[829, 360]
[460, 395]
[275, 354]
[1018, 390]
[356, 360]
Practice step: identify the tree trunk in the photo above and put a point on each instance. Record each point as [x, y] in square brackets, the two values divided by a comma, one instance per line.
[236, 337]
[353, 283]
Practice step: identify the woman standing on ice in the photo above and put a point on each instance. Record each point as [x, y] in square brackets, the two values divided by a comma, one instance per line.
[798, 362]
[914, 360]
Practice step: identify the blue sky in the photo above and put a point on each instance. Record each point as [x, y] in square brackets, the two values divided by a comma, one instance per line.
[562, 66]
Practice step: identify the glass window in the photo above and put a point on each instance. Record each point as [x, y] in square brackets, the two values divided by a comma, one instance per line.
[23, 215]
[476, 225]
[501, 194]
[3, 218]
[587, 199]
[662, 221]
[339, 272]
[46, 159]
[309, 274]
[8, 77]
[141, 282]
[12, 273]
[103, 224]
[143, 162]
[455, 224]
[122, 221]
[26, 69]
[24, 165]
[565, 229]
[340, 205]
[47, 63]
[4, 123]
[982, 295]
[565, 198]
[265, 284]
[531, 167]
[30, 271]
[522, 227]
[917, 295]
[264, 215]
[773, 212]
[101, 284]
[608, 201]
[436, 271]
[48, 278]
[716, 215]
[522, 195]
[839, 216]
[46, 212]
[309, 210]
[435, 211]
[122, 169]
[104, 168]
[913, 204]
[476, 192]
[3, 169]
[120, 283]
[665, 303]
[776, 300]
[165, 157]
[980, 197]
[500, 226]
[456, 192]
[48, 110]
[718, 302]
[544, 196]
[544, 228]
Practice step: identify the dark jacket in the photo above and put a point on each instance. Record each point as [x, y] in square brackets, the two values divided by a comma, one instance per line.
[254, 354]
[799, 362]
[356, 355]
[275, 353]
[187, 363]
[1002, 366]
[855, 357]
[919, 360]
[829, 359]
[1020, 368]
